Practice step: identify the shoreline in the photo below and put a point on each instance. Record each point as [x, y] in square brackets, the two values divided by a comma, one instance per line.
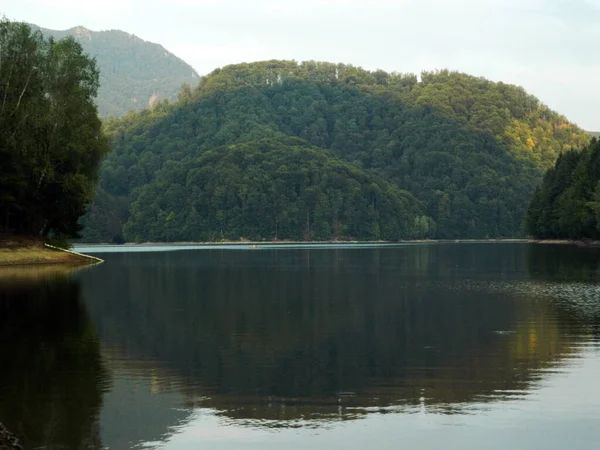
[274, 243]
[21, 252]
[25, 252]
[584, 243]
[256, 244]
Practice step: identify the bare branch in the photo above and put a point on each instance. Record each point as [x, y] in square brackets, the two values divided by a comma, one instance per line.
[23, 91]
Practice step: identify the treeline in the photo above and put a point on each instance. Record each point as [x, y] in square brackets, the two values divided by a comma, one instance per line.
[567, 205]
[51, 139]
[470, 150]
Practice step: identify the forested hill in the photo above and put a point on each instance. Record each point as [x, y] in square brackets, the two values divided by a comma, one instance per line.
[274, 189]
[469, 150]
[134, 74]
[567, 205]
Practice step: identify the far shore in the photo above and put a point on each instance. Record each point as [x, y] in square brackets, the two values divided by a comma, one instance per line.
[31, 252]
[282, 242]
[579, 243]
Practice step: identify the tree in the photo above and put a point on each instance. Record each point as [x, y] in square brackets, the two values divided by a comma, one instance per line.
[51, 139]
[595, 205]
[567, 204]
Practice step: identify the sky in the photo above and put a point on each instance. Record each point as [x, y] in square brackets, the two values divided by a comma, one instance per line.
[550, 47]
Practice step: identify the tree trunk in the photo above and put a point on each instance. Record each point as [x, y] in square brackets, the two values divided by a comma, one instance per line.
[46, 229]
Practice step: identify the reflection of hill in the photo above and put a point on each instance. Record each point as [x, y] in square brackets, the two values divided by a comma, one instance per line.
[133, 412]
[51, 376]
[278, 335]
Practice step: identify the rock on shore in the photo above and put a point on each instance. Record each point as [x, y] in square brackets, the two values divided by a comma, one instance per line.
[8, 441]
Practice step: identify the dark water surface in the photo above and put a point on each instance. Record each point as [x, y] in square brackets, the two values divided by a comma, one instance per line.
[453, 346]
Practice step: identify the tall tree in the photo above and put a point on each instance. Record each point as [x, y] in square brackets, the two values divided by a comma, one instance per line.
[51, 139]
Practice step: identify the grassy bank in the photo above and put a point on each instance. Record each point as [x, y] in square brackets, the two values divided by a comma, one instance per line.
[18, 251]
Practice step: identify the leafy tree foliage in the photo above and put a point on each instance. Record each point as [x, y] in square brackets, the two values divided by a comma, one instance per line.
[51, 141]
[472, 151]
[133, 73]
[274, 189]
[567, 205]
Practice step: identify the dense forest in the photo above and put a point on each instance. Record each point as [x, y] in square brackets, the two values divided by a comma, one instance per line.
[567, 205]
[134, 74]
[51, 139]
[281, 190]
[471, 152]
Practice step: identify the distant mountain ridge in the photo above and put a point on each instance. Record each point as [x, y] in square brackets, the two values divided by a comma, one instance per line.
[134, 73]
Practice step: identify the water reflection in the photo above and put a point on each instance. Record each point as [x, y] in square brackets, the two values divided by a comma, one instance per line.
[141, 350]
[569, 277]
[52, 377]
[278, 338]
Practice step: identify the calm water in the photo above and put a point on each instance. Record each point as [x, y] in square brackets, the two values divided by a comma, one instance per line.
[456, 346]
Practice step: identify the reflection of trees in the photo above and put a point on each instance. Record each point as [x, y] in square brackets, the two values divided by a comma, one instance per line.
[570, 277]
[51, 376]
[557, 263]
[278, 335]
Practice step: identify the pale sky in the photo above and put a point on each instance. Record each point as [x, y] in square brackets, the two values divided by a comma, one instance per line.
[550, 47]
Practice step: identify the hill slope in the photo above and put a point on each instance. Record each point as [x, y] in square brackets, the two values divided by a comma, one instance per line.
[134, 73]
[268, 188]
[470, 150]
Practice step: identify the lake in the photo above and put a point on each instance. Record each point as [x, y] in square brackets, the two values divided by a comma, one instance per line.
[441, 346]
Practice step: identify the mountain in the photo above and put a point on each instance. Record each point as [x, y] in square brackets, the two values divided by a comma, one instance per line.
[567, 204]
[469, 150]
[594, 133]
[134, 74]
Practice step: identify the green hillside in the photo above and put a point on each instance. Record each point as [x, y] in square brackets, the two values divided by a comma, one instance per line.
[470, 150]
[269, 188]
[134, 74]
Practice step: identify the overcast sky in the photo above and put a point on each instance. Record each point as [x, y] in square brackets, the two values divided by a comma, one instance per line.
[550, 47]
